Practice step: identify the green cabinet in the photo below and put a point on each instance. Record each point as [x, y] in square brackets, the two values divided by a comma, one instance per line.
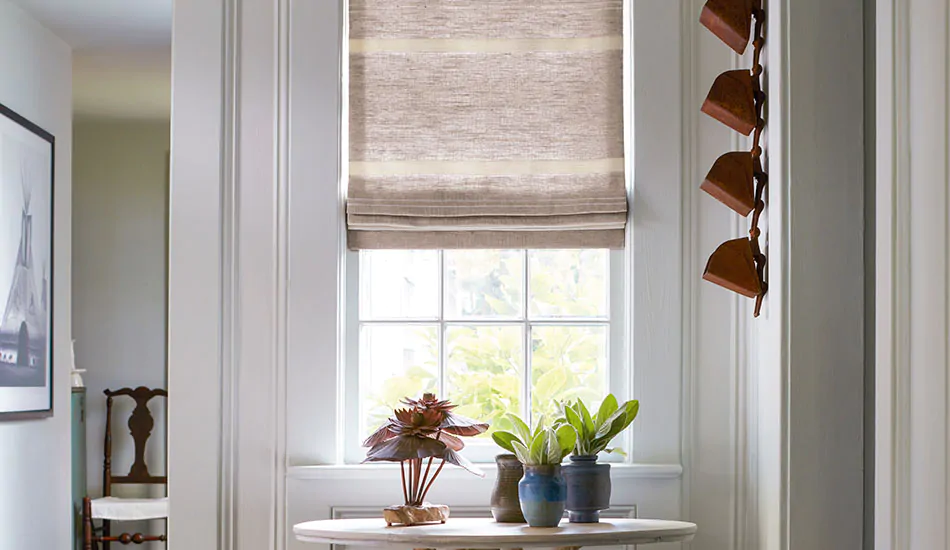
[78, 411]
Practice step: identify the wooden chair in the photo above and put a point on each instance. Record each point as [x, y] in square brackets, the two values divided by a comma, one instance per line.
[109, 508]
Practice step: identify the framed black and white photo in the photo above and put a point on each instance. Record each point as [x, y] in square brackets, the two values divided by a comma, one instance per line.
[26, 268]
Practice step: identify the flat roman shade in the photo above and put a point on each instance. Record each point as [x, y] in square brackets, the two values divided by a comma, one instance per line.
[486, 124]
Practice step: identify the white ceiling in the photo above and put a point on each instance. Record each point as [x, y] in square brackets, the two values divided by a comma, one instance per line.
[121, 53]
[105, 24]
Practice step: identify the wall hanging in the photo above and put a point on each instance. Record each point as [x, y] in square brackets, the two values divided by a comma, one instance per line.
[737, 179]
[26, 268]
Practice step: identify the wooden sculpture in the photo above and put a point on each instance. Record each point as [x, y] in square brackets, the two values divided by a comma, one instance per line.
[731, 101]
[426, 429]
[732, 266]
[731, 182]
[737, 179]
[730, 21]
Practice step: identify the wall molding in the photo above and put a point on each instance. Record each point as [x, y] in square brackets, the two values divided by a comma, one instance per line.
[366, 472]
[719, 487]
[810, 385]
[912, 402]
[230, 167]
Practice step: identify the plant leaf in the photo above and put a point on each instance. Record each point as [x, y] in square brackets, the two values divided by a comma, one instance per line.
[573, 419]
[566, 438]
[607, 408]
[505, 440]
[451, 441]
[617, 423]
[384, 433]
[522, 452]
[460, 425]
[537, 448]
[405, 447]
[453, 457]
[521, 429]
[553, 445]
[617, 450]
[633, 409]
[575, 422]
[539, 426]
[588, 421]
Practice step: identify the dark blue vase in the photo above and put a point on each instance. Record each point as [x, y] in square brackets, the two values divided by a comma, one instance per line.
[542, 492]
[588, 489]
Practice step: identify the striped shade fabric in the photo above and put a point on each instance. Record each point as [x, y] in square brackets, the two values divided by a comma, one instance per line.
[486, 124]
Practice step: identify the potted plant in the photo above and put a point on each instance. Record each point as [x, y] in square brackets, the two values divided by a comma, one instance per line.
[542, 491]
[588, 483]
[417, 435]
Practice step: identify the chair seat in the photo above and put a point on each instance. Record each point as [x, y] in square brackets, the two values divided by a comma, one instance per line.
[129, 509]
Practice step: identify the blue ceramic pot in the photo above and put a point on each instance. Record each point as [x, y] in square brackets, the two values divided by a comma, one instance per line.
[542, 492]
[588, 489]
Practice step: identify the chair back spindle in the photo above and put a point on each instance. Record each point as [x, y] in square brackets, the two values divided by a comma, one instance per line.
[140, 425]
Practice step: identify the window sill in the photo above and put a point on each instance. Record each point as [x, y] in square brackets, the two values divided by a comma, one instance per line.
[359, 472]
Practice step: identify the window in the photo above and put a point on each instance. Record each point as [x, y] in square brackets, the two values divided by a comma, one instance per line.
[495, 331]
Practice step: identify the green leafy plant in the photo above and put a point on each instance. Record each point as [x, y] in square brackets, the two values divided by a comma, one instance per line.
[594, 433]
[540, 446]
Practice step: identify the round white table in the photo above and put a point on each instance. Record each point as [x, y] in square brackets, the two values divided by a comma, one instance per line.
[472, 533]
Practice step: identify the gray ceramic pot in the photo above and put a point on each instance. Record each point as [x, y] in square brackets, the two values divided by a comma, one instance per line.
[505, 504]
[588, 489]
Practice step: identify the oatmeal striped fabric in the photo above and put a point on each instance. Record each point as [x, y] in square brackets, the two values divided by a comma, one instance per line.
[486, 124]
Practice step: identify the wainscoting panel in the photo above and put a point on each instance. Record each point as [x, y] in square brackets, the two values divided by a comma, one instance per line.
[344, 497]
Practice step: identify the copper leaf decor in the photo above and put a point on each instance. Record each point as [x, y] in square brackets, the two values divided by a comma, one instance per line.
[416, 436]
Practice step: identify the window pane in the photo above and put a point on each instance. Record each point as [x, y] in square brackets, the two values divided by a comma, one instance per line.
[399, 284]
[395, 362]
[485, 371]
[569, 283]
[483, 284]
[567, 363]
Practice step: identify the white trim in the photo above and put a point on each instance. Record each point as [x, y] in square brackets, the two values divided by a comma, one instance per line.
[362, 472]
[912, 430]
[230, 168]
[482, 451]
[196, 463]
[274, 77]
[282, 290]
[719, 401]
[811, 385]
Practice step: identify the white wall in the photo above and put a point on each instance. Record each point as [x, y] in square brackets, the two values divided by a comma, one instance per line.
[120, 209]
[35, 456]
[809, 344]
[262, 127]
[912, 438]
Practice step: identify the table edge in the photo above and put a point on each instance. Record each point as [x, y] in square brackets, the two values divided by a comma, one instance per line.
[682, 537]
[683, 531]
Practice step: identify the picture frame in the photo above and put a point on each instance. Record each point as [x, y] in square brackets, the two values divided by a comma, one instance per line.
[27, 173]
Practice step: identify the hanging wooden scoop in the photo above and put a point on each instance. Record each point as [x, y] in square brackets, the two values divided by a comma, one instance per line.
[731, 182]
[732, 267]
[730, 21]
[731, 101]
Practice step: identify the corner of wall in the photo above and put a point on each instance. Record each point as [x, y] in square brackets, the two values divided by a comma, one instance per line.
[35, 476]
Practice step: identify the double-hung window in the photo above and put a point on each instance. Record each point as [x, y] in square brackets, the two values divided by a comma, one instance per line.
[495, 331]
[486, 208]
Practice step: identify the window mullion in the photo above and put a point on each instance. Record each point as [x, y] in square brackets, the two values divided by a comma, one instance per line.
[443, 334]
[526, 332]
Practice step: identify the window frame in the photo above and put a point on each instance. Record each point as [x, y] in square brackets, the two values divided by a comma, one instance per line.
[618, 368]
[660, 177]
